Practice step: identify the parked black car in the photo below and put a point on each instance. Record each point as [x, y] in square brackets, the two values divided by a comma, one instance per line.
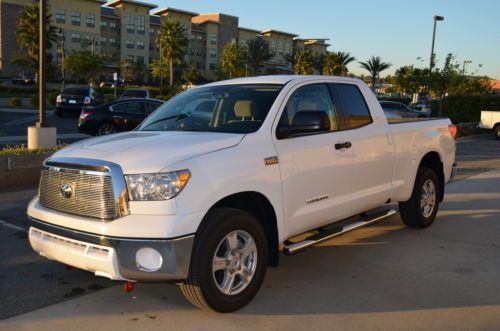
[116, 116]
[73, 99]
[23, 80]
[135, 93]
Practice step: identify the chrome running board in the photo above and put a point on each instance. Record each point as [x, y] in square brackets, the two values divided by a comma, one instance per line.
[323, 235]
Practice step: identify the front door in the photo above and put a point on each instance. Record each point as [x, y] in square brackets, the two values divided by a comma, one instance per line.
[316, 176]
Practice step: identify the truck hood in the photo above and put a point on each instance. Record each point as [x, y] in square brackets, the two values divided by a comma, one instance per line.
[149, 152]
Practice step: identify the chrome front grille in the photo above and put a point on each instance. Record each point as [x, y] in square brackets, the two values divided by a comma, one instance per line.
[90, 194]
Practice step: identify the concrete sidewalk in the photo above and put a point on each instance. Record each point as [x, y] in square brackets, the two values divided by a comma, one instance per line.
[384, 277]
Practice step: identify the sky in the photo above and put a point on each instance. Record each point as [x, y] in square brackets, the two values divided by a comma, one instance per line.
[397, 31]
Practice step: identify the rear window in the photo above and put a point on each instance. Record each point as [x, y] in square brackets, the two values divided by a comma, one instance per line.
[135, 93]
[355, 108]
[76, 91]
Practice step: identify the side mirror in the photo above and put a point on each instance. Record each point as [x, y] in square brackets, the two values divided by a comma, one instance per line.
[305, 123]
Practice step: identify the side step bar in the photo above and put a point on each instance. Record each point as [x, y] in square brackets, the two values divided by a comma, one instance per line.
[293, 248]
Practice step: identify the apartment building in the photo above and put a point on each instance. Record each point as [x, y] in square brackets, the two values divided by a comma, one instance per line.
[128, 30]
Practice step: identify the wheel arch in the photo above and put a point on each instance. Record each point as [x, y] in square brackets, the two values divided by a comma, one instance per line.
[434, 161]
[259, 206]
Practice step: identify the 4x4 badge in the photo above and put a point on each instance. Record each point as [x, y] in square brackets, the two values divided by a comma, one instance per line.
[271, 160]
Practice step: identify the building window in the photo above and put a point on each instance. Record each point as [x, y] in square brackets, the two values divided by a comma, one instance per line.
[129, 44]
[75, 37]
[112, 26]
[104, 25]
[140, 59]
[61, 16]
[152, 31]
[103, 41]
[112, 42]
[213, 38]
[130, 23]
[75, 18]
[141, 24]
[130, 58]
[212, 66]
[212, 53]
[90, 20]
[140, 45]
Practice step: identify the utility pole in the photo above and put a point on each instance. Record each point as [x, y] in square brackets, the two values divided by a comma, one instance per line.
[41, 64]
[463, 66]
[431, 62]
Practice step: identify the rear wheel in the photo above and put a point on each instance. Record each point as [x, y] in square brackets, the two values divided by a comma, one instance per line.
[421, 209]
[496, 131]
[228, 263]
[106, 128]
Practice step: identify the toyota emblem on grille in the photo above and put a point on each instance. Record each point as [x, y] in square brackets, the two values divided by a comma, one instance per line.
[66, 190]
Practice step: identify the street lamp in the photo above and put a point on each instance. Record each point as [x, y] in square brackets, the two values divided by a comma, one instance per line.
[463, 66]
[431, 62]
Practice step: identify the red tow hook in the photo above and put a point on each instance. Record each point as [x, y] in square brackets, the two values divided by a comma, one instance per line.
[129, 286]
[68, 267]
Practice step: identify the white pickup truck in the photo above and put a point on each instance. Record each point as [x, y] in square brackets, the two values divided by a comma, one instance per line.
[491, 120]
[209, 189]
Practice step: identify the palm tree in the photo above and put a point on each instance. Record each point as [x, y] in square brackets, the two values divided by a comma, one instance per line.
[335, 63]
[375, 66]
[258, 52]
[233, 57]
[28, 35]
[304, 64]
[172, 42]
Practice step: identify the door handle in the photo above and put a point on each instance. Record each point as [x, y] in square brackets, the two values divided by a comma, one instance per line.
[347, 144]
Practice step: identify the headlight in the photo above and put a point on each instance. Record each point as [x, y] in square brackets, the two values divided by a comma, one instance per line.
[155, 187]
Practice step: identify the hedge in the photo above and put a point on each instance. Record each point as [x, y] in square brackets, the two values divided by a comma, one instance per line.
[463, 109]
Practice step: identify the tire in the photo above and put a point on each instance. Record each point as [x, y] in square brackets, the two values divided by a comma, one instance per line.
[412, 214]
[106, 128]
[202, 287]
[496, 131]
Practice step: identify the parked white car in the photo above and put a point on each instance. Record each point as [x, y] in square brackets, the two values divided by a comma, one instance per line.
[491, 120]
[203, 199]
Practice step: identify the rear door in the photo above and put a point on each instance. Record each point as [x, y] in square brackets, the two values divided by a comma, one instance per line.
[127, 115]
[316, 177]
[371, 147]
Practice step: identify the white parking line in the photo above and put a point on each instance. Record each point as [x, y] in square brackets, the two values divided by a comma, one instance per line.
[21, 121]
[12, 226]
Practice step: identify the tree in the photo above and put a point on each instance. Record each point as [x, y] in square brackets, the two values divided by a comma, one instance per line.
[83, 64]
[28, 35]
[172, 43]
[127, 70]
[258, 52]
[409, 79]
[375, 66]
[233, 59]
[331, 66]
[191, 75]
[158, 69]
[303, 63]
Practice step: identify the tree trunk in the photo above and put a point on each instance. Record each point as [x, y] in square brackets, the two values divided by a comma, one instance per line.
[374, 79]
[171, 67]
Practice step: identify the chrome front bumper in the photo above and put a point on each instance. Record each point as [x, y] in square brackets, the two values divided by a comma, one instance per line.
[111, 257]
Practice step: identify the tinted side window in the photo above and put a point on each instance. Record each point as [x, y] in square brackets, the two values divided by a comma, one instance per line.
[150, 107]
[129, 107]
[355, 108]
[314, 97]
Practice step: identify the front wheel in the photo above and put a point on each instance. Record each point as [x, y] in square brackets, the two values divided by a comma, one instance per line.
[106, 128]
[421, 209]
[228, 263]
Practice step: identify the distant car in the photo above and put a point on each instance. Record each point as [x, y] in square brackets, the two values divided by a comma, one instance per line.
[106, 84]
[23, 80]
[135, 93]
[73, 99]
[117, 116]
[397, 108]
[423, 109]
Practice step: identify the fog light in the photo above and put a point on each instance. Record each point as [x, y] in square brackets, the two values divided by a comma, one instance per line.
[148, 259]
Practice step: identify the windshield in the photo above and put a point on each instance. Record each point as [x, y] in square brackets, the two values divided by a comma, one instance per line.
[75, 91]
[224, 108]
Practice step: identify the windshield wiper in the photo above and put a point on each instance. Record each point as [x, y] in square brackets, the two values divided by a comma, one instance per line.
[177, 117]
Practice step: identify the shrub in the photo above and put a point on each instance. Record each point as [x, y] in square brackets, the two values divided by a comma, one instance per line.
[51, 97]
[23, 150]
[15, 102]
[463, 109]
[34, 100]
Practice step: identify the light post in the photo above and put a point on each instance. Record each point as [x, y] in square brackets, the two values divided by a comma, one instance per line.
[463, 66]
[431, 62]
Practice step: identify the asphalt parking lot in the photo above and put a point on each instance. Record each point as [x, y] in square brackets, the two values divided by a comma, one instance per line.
[381, 277]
